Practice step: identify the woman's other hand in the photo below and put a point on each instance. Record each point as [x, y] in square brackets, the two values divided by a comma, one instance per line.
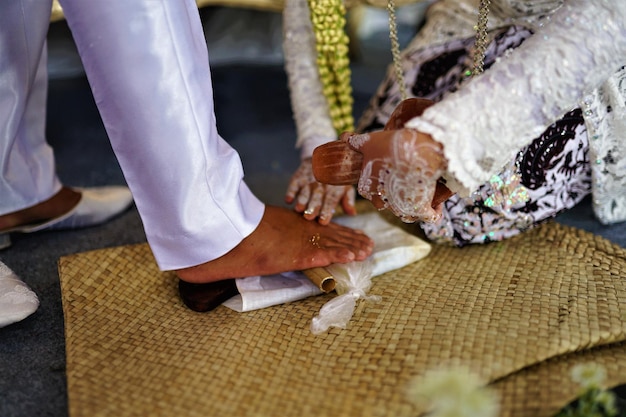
[317, 200]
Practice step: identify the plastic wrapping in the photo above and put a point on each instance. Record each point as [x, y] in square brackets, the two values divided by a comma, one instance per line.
[353, 281]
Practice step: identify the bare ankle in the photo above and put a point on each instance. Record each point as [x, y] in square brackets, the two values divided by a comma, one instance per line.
[60, 203]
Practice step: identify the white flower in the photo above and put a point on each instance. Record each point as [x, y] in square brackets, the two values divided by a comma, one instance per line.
[454, 393]
[589, 375]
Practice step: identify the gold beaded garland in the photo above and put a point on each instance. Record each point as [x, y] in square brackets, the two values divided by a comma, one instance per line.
[328, 18]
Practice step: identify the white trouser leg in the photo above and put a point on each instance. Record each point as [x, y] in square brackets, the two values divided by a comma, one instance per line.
[147, 63]
[26, 161]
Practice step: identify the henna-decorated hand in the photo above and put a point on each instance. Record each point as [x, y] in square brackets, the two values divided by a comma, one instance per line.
[317, 200]
[400, 172]
[396, 168]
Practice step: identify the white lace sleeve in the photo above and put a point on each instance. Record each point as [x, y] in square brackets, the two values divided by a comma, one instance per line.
[309, 105]
[487, 122]
[605, 118]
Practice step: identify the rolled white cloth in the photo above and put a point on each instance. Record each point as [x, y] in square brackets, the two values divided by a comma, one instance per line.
[393, 248]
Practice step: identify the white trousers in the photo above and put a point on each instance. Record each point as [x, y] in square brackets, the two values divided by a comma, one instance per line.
[148, 67]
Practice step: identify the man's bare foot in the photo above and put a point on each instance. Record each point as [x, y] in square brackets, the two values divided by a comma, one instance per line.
[57, 205]
[283, 241]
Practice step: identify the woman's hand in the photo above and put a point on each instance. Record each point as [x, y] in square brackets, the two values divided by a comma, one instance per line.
[317, 200]
[400, 172]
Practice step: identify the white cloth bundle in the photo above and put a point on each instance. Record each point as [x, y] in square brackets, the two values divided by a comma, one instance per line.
[393, 248]
[17, 300]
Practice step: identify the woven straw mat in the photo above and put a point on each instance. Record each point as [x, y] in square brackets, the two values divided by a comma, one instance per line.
[133, 349]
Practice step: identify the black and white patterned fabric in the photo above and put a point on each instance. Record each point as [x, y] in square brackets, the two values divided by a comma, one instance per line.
[554, 169]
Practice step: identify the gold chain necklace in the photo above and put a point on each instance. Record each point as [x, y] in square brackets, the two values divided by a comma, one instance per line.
[395, 48]
[478, 52]
[481, 42]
